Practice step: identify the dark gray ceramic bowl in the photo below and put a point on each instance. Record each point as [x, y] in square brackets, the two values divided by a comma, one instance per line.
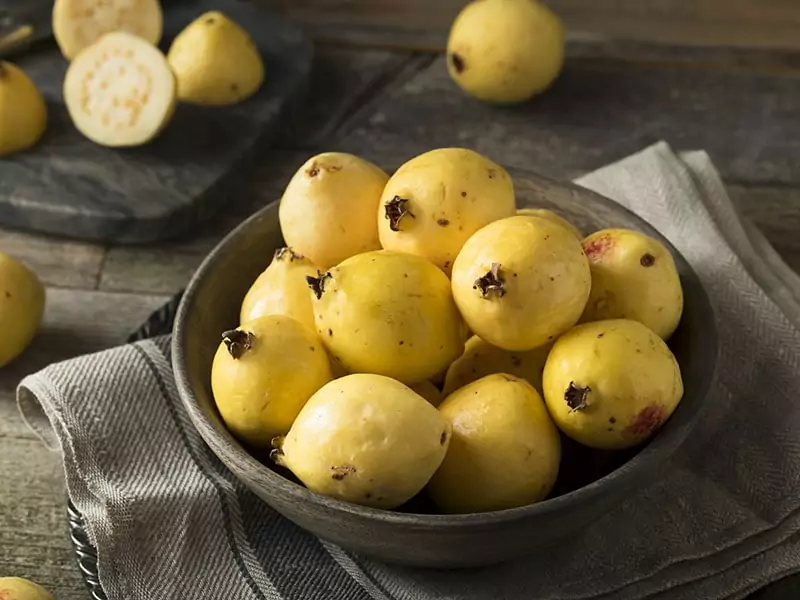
[590, 485]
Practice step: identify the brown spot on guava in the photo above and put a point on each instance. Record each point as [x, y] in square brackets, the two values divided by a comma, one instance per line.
[443, 222]
[330, 332]
[287, 252]
[312, 348]
[646, 422]
[515, 360]
[210, 21]
[491, 282]
[395, 210]
[341, 471]
[463, 194]
[491, 173]
[368, 495]
[599, 335]
[612, 420]
[647, 260]
[317, 284]
[447, 263]
[576, 396]
[234, 87]
[458, 62]
[238, 341]
[443, 438]
[598, 246]
[401, 342]
[8, 294]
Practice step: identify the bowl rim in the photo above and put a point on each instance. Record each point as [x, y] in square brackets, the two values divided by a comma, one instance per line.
[663, 445]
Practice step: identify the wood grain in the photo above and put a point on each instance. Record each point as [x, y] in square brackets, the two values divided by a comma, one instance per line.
[165, 268]
[421, 24]
[79, 322]
[60, 263]
[341, 80]
[599, 112]
[33, 533]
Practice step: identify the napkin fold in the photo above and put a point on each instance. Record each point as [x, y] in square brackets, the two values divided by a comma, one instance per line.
[169, 521]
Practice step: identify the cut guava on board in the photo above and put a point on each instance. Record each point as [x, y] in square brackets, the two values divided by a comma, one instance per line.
[80, 23]
[120, 91]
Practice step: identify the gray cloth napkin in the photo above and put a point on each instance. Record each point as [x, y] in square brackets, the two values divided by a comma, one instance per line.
[169, 521]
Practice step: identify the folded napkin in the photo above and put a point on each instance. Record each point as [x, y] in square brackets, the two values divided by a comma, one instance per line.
[169, 521]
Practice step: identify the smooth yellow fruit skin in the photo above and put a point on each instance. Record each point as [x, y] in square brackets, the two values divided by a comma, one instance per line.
[215, 62]
[505, 51]
[18, 588]
[452, 192]
[260, 394]
[480, 358]
[504, 452]
[633, 277]
[22, 301]
[120, 91]
[281, 289]
[23, 113]
[550, 215]
[633, 378]
[545, 276]
[327, 211]
[366, 439]
[77, 24]
[391, 314]
[430, 392]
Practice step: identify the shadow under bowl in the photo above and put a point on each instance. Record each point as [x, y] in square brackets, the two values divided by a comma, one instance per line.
[413, 536]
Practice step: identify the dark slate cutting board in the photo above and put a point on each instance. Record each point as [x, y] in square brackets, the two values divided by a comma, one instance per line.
[69, 186]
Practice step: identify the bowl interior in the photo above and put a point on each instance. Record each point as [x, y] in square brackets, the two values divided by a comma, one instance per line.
[211, 303]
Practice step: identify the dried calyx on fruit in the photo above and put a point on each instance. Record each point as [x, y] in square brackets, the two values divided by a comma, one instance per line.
[238, 341]
[577, 396]
[491, 282]
[396, 209]
[287, 252]
[317, 284]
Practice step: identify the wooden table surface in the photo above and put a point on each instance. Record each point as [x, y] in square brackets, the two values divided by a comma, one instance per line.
[386, 103]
